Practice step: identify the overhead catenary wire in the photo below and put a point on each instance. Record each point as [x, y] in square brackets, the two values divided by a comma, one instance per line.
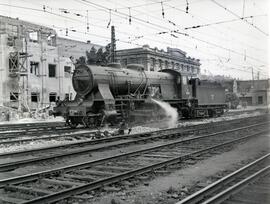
[221, 22]
[236, 15]
[141, 37]
[62, 16]
[236, 41]
[185, 34]
[198, 16]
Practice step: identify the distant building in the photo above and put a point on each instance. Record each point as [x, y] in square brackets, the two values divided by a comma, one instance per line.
[35, 64]
[74, 48]
[154, 60]
[254, 92]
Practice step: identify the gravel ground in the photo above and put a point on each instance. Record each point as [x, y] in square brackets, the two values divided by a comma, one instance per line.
[138, 129]
[165, 189]
[171, 188]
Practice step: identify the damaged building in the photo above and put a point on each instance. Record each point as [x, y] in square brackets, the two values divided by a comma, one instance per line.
[35, 64]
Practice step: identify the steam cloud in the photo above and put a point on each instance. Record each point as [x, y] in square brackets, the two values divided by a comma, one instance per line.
[170, 112]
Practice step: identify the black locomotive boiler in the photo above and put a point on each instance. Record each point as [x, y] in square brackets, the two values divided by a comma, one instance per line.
[112, 93]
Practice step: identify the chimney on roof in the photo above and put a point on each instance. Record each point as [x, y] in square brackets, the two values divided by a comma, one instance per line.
[88, 41]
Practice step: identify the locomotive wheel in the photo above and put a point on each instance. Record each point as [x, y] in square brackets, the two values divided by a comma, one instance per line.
[92, 121]
[71, 123]
[212, 113]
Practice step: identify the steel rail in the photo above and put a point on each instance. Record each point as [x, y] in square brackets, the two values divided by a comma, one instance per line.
[224, 195]
[34, 127]
[73, 133]
[31, 125]
[113, 179]
[212, 188]
[54, 136]
[16, 164]
[95, 162]
[36, 131]
[91, 142]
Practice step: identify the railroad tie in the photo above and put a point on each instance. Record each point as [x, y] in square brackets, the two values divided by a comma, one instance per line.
[62, 183]
[33, 191]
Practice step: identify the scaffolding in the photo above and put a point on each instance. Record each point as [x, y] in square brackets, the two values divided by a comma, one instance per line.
[18, 70]
[19, 34]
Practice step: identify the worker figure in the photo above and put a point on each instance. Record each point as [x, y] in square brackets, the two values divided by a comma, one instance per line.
[58, 101]
[129, 130]
[122, 128]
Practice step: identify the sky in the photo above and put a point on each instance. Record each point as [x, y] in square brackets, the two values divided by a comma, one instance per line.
[230, 37]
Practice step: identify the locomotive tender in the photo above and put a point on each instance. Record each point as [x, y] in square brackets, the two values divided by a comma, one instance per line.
[113, 93]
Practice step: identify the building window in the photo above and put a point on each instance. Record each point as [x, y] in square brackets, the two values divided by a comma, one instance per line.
[160, 64]
[166, 64]
[184, 80]
[13, 62]
[12, 29]
[152, 65]
[132, 61]
[67, 71]
[260, 100]
[14, 96]
[52, 97]
[172, 65]
[34, 68]
[34, 97]
[188, 68]
[52, 70]
[124, 62]
[182, 67]
[33, 37]
[177, 66]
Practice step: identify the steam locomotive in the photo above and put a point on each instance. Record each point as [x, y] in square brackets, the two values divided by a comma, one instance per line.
[112, 93]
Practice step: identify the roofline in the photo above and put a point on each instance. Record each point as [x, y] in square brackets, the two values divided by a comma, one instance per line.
[17, 21]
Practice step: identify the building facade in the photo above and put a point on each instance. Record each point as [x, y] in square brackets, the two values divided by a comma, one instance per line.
[253, 92]
[35, 65]
[154, 60]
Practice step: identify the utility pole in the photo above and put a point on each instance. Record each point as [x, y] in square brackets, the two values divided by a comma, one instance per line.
[113, 45]
[252, 76]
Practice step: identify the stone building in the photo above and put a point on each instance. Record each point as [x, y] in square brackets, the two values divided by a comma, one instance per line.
[153, 59]
[253, 92]
[35, 64]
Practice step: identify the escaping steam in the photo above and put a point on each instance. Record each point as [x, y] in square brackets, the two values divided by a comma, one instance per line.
[170, 112]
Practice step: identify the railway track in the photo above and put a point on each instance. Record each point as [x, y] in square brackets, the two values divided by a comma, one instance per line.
[10, 131]
[78, 134]
[86, 147]
[29, 126]
[65, 182]
[67, 134]
[222, 191]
